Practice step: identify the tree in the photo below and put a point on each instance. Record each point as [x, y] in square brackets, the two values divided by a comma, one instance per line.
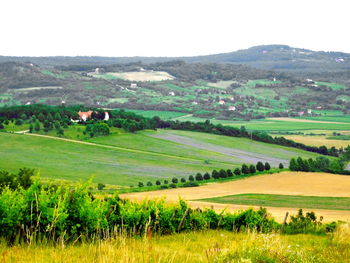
[206, 176]
[322, 163]
[166, 181]
[222, 173]
[18, 122]
[191, 178]
[237, 171]
[140, 184]
[252, 169]
[281, 166]
[215, 174]
[267, 166]
[158, 182]
[183, 180]
[199, 177]
[149, 184]
[24, 177]
[229, 173]
[245, 169]
[174, 180]
[293, 166]
[100, 186]
[260, 166]
[302, 165]
[37, 126]
[31, 128]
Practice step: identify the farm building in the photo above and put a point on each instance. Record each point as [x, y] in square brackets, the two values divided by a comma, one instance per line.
[232, 108]
[221, 102]
[133, 85]
[171, 93]
[84, 115]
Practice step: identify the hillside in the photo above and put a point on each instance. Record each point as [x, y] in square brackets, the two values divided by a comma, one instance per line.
[277, 57]
[124, 158]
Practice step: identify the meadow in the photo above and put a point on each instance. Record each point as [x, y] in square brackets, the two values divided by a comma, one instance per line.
[203, 246]
[126, 158]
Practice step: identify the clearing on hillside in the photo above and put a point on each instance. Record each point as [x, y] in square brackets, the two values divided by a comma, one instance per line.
[285, 183]
[137, 76]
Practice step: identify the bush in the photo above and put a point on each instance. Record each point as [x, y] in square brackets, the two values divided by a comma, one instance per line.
[164, 187]
[183, 180]
[100, 186]
[229, 173]
[158, 182]
[281, 166]
[166, 181]
[190, 184]
[175, 180]
[199, 177]
[206, 176]
[222, 173]
[237, 171]
[191, 178]
[149, 184]
[252, 169]
[267, 166]
[260, 166]
[245, 169]
[140, 184]
[172, 185]
[215, 174]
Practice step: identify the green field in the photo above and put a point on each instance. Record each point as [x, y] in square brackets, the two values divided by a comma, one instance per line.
[296, 201]
[277, 125]
[124, 158]
[165, 115]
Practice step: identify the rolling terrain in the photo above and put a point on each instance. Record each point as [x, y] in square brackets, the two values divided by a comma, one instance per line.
[124, 159]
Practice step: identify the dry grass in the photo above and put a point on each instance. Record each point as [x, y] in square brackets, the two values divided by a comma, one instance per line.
[207, 246]
[318, 140]
[143, 76]
[285, 183]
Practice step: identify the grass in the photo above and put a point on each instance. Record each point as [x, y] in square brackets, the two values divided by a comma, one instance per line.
[296, 201]
[162, 114]
[206, 246]
[334, 86]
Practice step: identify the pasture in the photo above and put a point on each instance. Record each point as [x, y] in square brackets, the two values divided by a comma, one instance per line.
[136, 76]
[125, 159]
[284, 183]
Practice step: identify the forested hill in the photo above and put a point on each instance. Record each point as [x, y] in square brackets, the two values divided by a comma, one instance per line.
[277, 57]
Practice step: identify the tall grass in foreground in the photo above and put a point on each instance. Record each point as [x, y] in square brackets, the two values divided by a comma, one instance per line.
[203, 246]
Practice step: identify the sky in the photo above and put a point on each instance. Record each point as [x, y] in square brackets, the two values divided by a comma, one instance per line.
[167, 27]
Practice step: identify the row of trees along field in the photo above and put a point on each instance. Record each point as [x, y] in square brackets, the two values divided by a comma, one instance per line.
[51, 116]
[244, 170]
[60, 213]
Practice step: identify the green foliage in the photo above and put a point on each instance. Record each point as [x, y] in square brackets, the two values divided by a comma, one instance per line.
[191, 178]
[304, 224]
[245, 169]
[174, 180]
[260, 166]
[267, 166]
[252, 169]
[199, 177]
[140, 184]
[206, 176]
[97, 129]
[281, 166]
[237, 171]
[13, 181]
[100, 186]
[158, 182]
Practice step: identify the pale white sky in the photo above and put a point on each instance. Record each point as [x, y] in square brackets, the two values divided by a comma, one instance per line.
[169, 27]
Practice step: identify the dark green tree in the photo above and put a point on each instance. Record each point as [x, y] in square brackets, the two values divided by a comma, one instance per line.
[252, 169]
[229, 173]
[281, 166]
[237, 171]
[267, 166]
[260, 166]
[206, 176]
[245, 169]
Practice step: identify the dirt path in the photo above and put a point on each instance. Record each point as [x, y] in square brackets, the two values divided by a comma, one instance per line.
[285, 183]
[243, 156]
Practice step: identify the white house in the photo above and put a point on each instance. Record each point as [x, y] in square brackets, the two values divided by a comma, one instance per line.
[195, 103]
[309, 111]
[133, 85]
[106, 116]
[221, 102]
[171, 93]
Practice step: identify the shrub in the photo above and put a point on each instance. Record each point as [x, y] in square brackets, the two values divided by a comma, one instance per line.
[140, 184]
[199, 177]
[183, 180]
[190, 184]
[166, 181]
[164, 187]
[215, 174]
[100, 186]
[229, 173]
[175, 180]
[237, 171]
[260, 166]
[245, 169]
[206, 176]
[267, 166]
[252, 169]
[191, 178]
[222, 173]
[149, 184]
[158, 182]
[172, 185]
[281, 166]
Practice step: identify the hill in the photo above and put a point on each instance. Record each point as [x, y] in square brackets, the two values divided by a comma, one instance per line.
[276, 57]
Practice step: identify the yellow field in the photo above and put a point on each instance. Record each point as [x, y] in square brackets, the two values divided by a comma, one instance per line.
[318, 140]
[285, 183]
[143, 75]
[301, 120]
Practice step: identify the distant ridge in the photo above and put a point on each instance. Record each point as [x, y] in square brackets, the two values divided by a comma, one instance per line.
[276, 57]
